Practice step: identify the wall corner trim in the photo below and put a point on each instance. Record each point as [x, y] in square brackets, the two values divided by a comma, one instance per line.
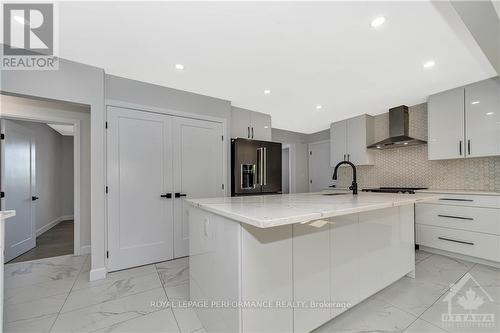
[97, 274]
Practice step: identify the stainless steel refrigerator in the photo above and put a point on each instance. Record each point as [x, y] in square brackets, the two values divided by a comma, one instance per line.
[255, 167]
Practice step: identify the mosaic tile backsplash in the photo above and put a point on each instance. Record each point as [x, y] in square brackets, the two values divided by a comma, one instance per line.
[410, 166]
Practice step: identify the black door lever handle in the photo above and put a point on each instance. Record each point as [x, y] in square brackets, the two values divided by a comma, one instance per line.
[178, 195]
[33, 198]
[167, 195]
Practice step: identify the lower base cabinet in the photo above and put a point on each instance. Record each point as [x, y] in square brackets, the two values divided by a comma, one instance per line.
[294, 278]
[467, 225]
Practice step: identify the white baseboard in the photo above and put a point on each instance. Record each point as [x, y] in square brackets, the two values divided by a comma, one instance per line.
[53, 224]
[97, 274]
[460, 256]
[85, 250]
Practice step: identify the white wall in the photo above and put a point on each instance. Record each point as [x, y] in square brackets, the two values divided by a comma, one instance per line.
[22, 107]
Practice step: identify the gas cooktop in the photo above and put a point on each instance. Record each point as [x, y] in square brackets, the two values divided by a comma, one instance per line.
[409, 190]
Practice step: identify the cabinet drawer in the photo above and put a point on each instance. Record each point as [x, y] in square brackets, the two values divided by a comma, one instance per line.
[470, 243]
[466, 218]
[488, 201]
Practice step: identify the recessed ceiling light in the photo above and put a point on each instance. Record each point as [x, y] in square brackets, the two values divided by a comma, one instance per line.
[266, 126]
[406, 143]
[429, 64]
[319, 107]
[490, 113]
[179, 66]
[378, 21]
[267, 91]
[475, 102]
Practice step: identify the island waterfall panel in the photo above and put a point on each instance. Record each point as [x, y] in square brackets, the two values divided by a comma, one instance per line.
[295, 277]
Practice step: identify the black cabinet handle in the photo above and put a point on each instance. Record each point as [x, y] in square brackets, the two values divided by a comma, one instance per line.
[468, 146]
[252, 132]
[166, 195]
[453, 199]
[460, 147]
[455, 241]
[33, 198]
[456, 217]
[248, 132]
[178, 195]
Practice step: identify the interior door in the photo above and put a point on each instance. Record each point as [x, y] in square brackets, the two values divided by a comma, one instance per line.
[320, 171]
[140, 211]
[18, 167]
[198, 170]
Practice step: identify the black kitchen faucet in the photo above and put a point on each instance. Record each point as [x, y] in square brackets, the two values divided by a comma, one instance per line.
[354, 186]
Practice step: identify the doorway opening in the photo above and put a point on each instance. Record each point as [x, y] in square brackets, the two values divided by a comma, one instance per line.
[40, 180]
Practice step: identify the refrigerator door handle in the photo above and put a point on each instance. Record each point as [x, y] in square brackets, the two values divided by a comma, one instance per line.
[264, 171]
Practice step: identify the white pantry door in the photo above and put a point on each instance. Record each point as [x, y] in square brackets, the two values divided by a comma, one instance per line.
[18, 166]
[198, 173]
[320, 171]
[140, 224]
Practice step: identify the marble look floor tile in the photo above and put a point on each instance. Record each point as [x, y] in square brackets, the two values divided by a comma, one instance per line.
[187, 319]
[113, 289]
[173, 272]
[39, 325]
[106, 314]
[43, 270]
[412, 295]
[421, 255]
[178, 292]
[39, 308]
[36, 291]
[159, 321]
[441, 270]
[372, 315]
[434, 314]
[83, 282]
[421, 326]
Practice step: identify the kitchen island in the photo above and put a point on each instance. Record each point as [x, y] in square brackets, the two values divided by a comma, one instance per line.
[289, 263]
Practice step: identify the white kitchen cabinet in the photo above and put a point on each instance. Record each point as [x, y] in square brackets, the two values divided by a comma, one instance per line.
[482, 118]
[250, 124]
[260, 126]
[311, 278]
[463, 224]
[446, 125]
[465, 121]
[338, 142]
[349, 139]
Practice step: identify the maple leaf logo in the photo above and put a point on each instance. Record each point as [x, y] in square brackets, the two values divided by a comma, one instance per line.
[470, 301]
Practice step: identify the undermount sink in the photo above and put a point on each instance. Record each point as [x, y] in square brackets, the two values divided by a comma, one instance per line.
[335, 193]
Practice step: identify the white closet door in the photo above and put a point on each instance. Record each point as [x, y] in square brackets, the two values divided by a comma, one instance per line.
[198, 170]
[140, 225]
[18, 165]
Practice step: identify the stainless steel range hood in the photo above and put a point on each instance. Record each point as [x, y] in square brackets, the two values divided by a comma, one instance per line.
[398, 131]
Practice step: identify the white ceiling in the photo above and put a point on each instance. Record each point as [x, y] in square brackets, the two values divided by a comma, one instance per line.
[305, 53]
[66, 130]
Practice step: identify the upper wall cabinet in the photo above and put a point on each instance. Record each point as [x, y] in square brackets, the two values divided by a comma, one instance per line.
[349, 139]
[465, 121]
[251, 125]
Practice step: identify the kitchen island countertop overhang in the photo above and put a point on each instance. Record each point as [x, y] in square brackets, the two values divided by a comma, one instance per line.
[265, 211]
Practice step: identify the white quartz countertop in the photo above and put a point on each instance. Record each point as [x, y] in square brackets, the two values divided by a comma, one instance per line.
[266, 211]
[5, 214]
[471, 192]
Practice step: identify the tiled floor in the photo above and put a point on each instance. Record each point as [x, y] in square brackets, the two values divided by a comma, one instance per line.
[57, 241]
[54, 295]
